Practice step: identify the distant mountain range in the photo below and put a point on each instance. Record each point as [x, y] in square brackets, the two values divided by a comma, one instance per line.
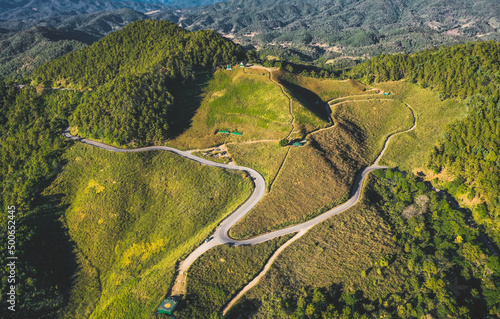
[336, 33]
[31, 43]
[16, 10]
[331, 29]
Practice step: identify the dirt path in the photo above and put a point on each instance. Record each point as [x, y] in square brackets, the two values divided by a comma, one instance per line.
[266, 268]
[220, 235]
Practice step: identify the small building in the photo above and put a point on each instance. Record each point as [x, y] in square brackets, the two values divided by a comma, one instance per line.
[167, 306]
[242, 64]
[236, 133]
[299, 143]
[229, 67]
[387, 93]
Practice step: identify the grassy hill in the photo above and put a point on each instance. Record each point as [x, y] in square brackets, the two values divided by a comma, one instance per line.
[249, 101]
[131, 218]
[144, 66]
[378, 260]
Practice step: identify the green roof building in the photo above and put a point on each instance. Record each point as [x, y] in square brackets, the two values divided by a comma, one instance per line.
[167, 306]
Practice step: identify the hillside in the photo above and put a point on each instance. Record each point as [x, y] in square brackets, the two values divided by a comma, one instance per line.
[138, 65]
[25, 45]
[465, 161]
[330, 30]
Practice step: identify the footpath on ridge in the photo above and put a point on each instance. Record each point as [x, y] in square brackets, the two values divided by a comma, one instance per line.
[220, 236]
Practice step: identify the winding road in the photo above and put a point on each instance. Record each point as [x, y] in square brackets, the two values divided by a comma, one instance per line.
[220, 236]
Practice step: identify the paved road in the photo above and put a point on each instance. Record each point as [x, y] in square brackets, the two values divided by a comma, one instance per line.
[221, 233]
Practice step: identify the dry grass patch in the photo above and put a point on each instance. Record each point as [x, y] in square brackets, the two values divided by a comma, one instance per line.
[326, 89]
[265, 158]
[346, 250]
[311, 179]
[318, 176]
[376, 118]
[433, 116]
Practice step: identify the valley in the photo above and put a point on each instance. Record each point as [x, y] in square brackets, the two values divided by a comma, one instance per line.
[193, 169]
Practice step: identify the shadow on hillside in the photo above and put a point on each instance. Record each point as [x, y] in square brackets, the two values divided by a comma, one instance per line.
[309, 99]
[48, 258]
[188, 96]
[322, 300]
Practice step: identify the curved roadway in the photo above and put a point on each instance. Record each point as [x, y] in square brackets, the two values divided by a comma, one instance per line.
[220, 235]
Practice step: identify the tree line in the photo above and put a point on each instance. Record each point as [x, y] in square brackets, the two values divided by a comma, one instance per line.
[470, 148]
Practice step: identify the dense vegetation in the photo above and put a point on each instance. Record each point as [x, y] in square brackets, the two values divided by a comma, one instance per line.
[421, 259]
[324, 30]
[456, 71]
[127, 109]
[30, 150]
[144, 46]
[470, 147]
[131, 73]
[470, 151]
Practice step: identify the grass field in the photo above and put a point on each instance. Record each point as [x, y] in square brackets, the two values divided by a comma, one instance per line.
[235, 101]
[326, 90]
[309, 96]
[219, 274]
[345, 250]
[245, 101]
[132, 217]
[318, 176]
[264, 157]
[410, 151]
[376, 118]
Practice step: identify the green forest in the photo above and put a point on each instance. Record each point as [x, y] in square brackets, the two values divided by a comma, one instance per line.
[469, 150]
[441, 260]
[30, 156]
[128, 100]
[128, 78]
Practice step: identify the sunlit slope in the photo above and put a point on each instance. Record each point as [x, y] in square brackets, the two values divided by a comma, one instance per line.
[318, 176]
[245, 101]
[132, 217]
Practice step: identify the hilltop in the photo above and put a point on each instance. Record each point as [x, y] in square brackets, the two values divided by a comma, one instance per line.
[140, 66]
[102, 232]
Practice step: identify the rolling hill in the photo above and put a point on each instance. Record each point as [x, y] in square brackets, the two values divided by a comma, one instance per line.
[332, 29]
[101, 232]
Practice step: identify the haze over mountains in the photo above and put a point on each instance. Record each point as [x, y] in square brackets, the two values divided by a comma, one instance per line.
[329, 33]
[37, 9]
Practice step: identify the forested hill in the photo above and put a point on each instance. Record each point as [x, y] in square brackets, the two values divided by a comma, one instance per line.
[457, 71]
[471, 148]
[143, 46]
[324, 30]
[132, 79]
